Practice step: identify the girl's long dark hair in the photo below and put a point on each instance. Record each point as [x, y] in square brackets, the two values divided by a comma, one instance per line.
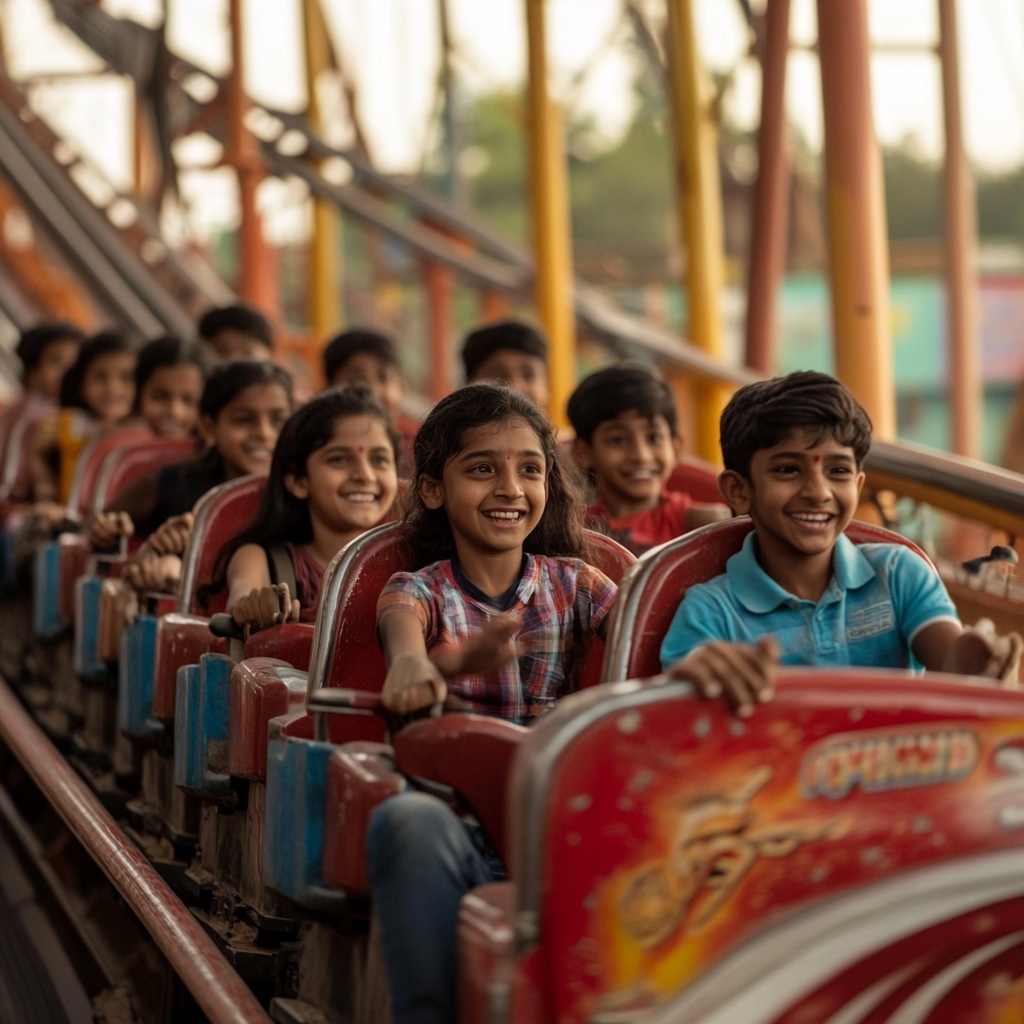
[281, 516]
[442, 436]
[101, 344]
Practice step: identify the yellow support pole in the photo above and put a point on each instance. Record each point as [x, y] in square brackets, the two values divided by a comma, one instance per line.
[699, 207]
[858, 244]
[326, 312]
[552, 231]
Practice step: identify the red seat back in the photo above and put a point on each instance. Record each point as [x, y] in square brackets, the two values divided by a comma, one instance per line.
[21, 420]
[346, 652]
[128, 463]
[220, 515]
[92, 460]
[659, 850]
[651, 592]
[699, 479]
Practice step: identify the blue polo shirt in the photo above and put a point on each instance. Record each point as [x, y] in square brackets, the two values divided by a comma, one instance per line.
[880, 597]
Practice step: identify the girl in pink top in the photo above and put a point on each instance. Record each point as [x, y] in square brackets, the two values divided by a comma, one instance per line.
[333, 477]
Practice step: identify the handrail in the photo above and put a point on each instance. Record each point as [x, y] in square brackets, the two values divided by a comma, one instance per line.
[218, 990]
[964, 487]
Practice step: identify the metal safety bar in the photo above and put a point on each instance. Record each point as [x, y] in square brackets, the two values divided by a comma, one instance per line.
[219, 991]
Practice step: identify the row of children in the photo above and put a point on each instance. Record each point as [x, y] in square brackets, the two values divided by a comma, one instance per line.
[498, 607]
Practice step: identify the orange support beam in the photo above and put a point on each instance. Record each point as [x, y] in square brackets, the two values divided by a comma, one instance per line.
[961, 238]
[771, 194]
[858, 244]
[257, 266]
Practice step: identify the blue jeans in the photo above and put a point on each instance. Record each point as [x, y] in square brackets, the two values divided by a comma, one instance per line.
[422, 860]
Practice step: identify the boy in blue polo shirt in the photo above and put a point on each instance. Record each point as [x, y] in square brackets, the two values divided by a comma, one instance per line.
[799, 592]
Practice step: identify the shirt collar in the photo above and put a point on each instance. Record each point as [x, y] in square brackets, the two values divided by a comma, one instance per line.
[760, 594]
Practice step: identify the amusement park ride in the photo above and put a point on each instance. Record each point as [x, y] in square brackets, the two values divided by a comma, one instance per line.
[853, 853]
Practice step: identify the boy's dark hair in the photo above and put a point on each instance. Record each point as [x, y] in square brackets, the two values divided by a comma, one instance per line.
[627, 387]
[102, 344]
[227, 381]
[358, 341]
[33, 342]
[163, 352]
[762, 415]
[442, 436]
[281, 516]
[243, 319]
[482, 343]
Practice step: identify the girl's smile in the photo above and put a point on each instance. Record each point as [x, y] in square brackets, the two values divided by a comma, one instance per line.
[494, 490]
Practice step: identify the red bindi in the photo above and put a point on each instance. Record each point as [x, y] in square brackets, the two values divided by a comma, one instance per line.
[508, 458]
[360, 447]
[817, 458]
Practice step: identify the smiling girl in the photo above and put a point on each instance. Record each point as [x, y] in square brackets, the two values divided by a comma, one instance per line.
[498, 614]
[333, 477]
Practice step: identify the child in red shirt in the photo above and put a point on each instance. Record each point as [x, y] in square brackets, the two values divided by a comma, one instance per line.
[627, 441]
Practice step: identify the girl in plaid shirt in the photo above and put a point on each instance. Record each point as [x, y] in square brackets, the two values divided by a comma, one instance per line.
[498, 616]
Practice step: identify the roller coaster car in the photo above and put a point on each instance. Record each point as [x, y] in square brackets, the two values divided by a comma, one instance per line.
[852, 851]
[468, 753]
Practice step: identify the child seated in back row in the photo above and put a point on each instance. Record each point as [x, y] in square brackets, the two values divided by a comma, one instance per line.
[799, 591]
[361, 356]
[627, 441]
[333, 477]
[511, 353]
[236, 332]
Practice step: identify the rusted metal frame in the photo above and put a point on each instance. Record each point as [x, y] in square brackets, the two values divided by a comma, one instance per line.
[771, 194]
[257, 270]
[855, 203]
[961, 248]
[218, 990]
[88, 240]
[380, 214]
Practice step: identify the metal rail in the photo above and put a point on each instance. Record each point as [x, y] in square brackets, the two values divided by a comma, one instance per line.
[964, 487]
[218, 990]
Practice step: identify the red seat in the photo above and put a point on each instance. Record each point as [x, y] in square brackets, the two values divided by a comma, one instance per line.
[699, 479]
[650, 593]
[859, 834]
[128, 463]
[469, 753]
[92, 460]
[18, 422]
[220, 515]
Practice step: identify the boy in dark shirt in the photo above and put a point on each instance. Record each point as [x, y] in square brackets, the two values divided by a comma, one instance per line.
[627, 441]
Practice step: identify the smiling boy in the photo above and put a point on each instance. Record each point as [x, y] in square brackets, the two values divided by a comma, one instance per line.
[799, 591]
[627, 441]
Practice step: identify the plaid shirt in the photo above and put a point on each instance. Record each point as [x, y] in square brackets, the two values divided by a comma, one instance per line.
[561, 602]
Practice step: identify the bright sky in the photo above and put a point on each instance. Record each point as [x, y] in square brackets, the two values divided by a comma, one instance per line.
[391, 48]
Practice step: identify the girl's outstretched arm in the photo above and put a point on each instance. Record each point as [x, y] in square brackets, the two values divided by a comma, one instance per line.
[252, 599]
[413, 680]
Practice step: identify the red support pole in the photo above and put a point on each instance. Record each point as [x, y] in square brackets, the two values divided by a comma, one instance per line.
[219, 991]
[440, 286]
[257, 267]
[965, 385]
[771, 194]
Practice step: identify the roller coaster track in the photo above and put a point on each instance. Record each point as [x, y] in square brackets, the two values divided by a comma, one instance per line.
[415, 217]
